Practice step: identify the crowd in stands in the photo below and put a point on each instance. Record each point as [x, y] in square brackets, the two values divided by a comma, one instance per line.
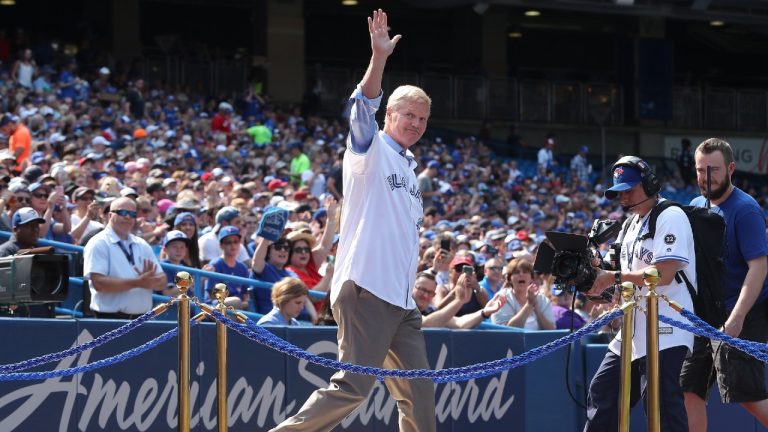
[142, 166]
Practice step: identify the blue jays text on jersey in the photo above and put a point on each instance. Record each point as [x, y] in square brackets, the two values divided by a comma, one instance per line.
[643, 254]
[399, 181]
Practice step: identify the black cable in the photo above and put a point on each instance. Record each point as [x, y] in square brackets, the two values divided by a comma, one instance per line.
[568, 362]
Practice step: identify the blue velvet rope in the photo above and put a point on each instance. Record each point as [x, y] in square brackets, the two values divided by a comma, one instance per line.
[106, 337]
[30, 376]
[700, 327]
[253, 331]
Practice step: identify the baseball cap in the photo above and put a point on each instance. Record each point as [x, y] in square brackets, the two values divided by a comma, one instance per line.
[128, 191]
[37, 157]
[433, 164]
[82, 191]
[164, 204]
[175, 235]
[184, 217]
[320, 213]
[276, 184]
[32, 173]
[461, 259]
[226, 214]
[7, 118]
[24, 216]
[584, 149]
[36, 185]
[227, 231]
[300, 195]
[99, 140]
[558, 289]
[625, 177]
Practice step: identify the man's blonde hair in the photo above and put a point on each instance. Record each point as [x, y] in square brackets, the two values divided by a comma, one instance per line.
[408, 93]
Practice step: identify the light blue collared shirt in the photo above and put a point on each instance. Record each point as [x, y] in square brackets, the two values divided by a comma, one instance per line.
[363, 126]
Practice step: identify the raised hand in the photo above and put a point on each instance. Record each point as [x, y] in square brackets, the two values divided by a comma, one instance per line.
[381, 44]
[495, 303]
[532, 293]
[463, 289]
[331, 205]
[272, 224]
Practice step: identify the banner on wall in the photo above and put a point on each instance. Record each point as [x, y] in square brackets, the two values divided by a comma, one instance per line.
[264, 386]
[750, 154]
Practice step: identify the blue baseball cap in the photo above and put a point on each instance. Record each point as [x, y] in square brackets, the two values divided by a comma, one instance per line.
[226, 214]
[229, 230]
[320, 213]
[175, 235]
[6, 119]
[24, 216]
[625, 177]
[184, 217]
[433, 164]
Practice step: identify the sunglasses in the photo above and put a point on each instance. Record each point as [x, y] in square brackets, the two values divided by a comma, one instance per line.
[41, 196]
[23, 199]
[496, 268]
[281, 247]
[230, 242]
[302, 250]
[85, 198]
[124, 213]
[426, 292]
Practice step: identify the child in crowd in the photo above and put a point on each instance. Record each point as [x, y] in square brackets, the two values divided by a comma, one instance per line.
[175, 247]
[229, 240]
[288, 297]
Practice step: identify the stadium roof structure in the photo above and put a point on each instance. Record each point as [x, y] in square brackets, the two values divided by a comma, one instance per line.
[732, 11]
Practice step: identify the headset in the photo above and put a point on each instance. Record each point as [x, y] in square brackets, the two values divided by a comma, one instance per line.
[651, 183]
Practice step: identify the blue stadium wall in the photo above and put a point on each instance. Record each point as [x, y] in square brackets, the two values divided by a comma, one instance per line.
[265, 386]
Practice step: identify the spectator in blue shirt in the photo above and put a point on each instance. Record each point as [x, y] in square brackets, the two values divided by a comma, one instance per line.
[175, 248]
[229, 240]
[268, 265]
[493, 278]
[288, 297]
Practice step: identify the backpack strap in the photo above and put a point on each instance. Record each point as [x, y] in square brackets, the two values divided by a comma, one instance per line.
[655, 212]
[681, 277]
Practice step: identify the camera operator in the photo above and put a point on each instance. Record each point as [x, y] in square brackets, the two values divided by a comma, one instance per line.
[26, 231]
[670, 250]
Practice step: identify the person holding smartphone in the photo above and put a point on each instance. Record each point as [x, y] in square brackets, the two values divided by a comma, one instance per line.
[461, 264]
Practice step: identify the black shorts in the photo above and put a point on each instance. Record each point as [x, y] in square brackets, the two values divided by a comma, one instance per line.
[740, 377]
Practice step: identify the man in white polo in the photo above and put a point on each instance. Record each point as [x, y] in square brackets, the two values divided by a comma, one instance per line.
[379, 323]
[122, 268]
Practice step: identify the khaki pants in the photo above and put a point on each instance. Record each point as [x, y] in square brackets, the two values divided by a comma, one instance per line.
[375, 333]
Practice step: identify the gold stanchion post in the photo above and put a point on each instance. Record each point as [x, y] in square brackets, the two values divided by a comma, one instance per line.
[184, 281]
[220, 292]
[651, 278]
[625, 387]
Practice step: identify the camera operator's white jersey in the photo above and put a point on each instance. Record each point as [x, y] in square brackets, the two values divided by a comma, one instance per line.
[673, 241]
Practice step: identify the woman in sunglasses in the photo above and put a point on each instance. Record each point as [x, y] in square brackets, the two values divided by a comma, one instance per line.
[268, 265]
